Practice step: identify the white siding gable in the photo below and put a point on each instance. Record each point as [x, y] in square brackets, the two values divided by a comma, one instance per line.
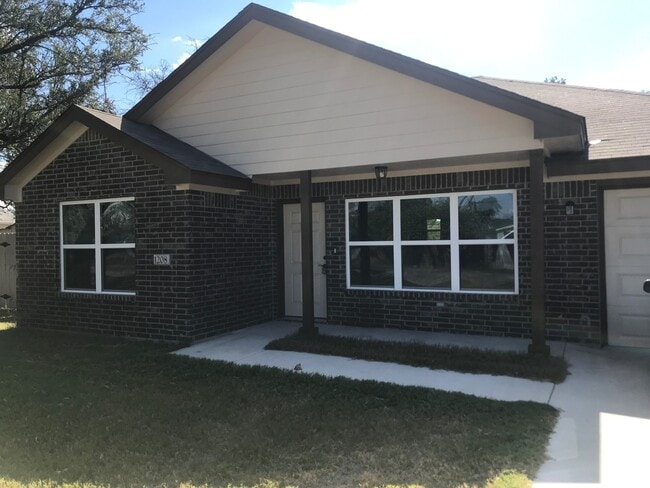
[282, 103]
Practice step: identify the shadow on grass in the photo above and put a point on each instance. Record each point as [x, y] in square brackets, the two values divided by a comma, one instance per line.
[80, 409]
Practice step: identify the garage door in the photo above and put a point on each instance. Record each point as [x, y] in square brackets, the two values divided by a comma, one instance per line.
[627, 258]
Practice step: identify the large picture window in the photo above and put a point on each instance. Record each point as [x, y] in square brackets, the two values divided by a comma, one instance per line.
[98, 246]
[458, 242]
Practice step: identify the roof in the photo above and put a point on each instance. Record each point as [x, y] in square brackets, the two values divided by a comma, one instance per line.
[180, 162]
[549, 121]
[619, 119]
[166, 144]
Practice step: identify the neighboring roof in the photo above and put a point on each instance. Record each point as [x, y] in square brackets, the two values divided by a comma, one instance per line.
[619, 119]
[549, 121]
[181, 162]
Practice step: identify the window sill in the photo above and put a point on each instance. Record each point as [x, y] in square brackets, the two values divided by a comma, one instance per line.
[80, 294]
[429, 291]
[436, 295]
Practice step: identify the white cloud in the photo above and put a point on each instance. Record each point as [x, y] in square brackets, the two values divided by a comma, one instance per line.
[183, 57]
[468, 36]
[190, 42]
[632, 73]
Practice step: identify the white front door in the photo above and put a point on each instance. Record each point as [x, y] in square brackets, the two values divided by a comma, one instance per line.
[627, 259]
[293, 261]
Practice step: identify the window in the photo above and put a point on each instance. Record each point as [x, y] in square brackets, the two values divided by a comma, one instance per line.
[459, 242]
[98, 246]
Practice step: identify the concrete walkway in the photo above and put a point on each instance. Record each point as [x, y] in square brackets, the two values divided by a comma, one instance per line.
[603, 434]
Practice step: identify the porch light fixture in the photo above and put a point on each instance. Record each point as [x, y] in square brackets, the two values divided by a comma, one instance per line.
[381, 172]
[569, 207]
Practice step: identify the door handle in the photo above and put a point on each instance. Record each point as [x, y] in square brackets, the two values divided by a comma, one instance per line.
[646, 286]
[323, 267]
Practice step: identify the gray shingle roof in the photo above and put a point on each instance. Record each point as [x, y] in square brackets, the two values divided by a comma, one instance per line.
[619, 119]
[166, 144]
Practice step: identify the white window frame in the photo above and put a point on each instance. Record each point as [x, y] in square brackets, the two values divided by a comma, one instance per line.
[454, 242]
[97, 247]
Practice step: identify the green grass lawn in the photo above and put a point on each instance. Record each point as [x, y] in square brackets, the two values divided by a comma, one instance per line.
[465, 360]
[95, 411]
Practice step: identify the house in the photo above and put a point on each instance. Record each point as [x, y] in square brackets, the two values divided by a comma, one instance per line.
[430, 200]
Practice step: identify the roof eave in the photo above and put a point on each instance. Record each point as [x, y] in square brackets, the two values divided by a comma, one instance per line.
[567, 165]
[174, 171]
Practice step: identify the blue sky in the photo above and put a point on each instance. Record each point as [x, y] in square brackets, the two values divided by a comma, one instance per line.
[600, 43]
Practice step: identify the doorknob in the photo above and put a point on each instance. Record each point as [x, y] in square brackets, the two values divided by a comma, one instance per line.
[646, 286]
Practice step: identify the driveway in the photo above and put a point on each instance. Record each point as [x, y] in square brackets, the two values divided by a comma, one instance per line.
[602, 437]
[603, 434]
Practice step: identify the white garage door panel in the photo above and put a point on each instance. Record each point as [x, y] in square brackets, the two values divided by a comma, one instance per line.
[634, 206]
[627, 256]
[635, 245]
[628, 284]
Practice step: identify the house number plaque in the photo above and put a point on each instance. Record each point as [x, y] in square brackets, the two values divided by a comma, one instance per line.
[162, 259]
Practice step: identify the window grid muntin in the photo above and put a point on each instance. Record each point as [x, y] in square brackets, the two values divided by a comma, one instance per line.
[97, 247]
[454, 242]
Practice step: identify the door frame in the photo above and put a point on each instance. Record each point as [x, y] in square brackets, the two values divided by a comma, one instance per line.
[279, 216]
[601, 187]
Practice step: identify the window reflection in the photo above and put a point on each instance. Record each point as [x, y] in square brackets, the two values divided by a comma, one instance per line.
[78, 224]
[486, 216]
[118, 222]
[487, 267]
[371, 221]
[371, 265]
[118, 269]
[425, 219]
[426, 267]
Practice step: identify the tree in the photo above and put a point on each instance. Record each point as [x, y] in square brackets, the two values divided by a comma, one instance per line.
[555, 79]
[145, 80]
[55, 53]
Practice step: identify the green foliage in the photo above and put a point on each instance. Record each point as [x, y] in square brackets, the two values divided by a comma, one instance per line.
[510, 479]
[555, 79]
[55, 53]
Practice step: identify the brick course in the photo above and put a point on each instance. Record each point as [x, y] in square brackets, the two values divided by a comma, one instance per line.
[572, 261]
[225, 255]
[171, 303]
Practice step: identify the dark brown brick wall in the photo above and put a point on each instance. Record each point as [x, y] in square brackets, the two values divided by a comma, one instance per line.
[234, 261]
[225, 255]
[179, 302]
[572, 288]
[572, 261]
